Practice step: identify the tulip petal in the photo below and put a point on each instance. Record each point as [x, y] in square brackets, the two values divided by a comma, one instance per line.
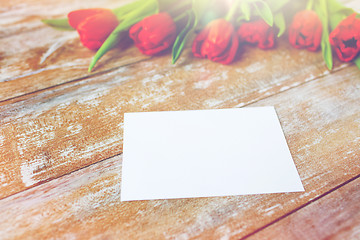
[257, 32]
[305, 30]
[95, 29]
[345, 38]
[317, 39]
[217, 41]
[198, 42]
[134, 32]
[76, 17]
[230, 53]
[154, 33]
[218, 38]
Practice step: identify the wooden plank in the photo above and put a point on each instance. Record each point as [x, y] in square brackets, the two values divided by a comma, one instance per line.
[335, 216]
[321, 121]
[57, 59]
[18, 16]
[50, 133]
[29, 65]
[34, 56]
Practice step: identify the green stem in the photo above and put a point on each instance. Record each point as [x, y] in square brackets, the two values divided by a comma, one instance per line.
[232, 11]
[357, 61]
[181, 16]
[123, 10]
[148, 8]
[176, 6]
[309, 5]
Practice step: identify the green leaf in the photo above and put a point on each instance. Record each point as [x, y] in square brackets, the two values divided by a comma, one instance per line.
[334, 6]
[199, 7]
[337, 17]
[60, 24]
[150, 8]
[357, 61]
[121, 12]
[327, 54]
[276, 5]
[263, 9]
[322, 11]
[337, 12]
[246, 10]
[181, 39]
[279, 22]
[195, 15]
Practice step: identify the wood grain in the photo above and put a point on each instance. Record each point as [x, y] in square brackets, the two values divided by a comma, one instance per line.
[19, 17]
[52, 132]
[61, 135]
[29, 65]
[34, 56]
[322, 134]
[335, 216]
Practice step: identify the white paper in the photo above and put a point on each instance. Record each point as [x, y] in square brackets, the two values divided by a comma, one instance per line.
[205, 153]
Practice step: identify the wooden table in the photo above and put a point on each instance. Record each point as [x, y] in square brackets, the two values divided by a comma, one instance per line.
[61, 133]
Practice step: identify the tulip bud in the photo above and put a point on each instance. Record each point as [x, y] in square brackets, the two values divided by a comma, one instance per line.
[154, 33]
[217, 42]
[305, 30]
[345, 38]
[257, 32]
[93, 25]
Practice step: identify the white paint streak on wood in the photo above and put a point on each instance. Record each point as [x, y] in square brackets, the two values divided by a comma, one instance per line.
[101, 145]
[37, 207]
[90, 196]
[76, 63]
[82, 94]
[255, 67]
[272, 207]
[3, 180]
[203, 84]
[155, 78]
[56, 45]
[334, 216]
[13, 15]
[74, 129]
[65, 153]
[31, 168]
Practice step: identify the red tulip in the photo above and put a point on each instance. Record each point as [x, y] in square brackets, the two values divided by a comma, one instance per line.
[217, 42]
[305, 30]
[345, 38]
[257, 32]
[154, 33]
[93, 25]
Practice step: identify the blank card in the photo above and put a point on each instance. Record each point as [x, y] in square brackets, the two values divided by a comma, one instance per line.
[205, 153]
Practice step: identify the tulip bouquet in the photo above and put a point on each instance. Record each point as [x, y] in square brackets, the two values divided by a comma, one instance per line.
[218, 29]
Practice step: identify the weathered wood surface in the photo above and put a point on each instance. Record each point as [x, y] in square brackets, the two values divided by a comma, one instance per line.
[34, 56]
[56, 120]
[326, 218]
[322, 135]
[18, 17]
[29, 65]
[59, 130]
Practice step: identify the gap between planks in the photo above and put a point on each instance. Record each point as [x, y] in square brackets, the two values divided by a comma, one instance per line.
[301, 207]
[339, 69]
[4, 102]
[20, 97]
[22, 91]
[288, 210]
[285, 215]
